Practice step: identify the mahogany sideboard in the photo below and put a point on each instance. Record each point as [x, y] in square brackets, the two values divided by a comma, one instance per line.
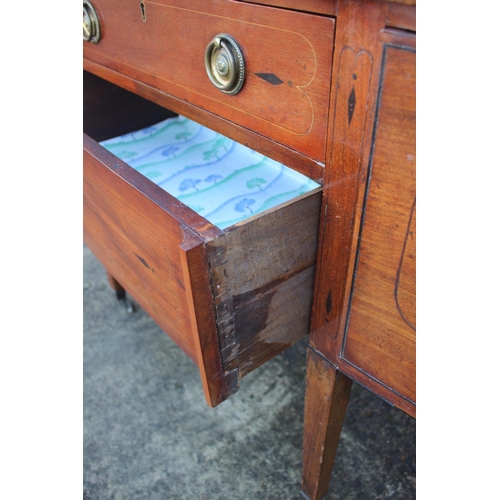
[326, 87]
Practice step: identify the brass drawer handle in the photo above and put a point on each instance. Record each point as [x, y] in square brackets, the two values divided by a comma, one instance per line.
[91, 26]
[225, 64]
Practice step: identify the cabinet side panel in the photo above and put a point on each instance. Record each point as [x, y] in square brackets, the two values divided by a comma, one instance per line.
[380, 332]
[138, 243]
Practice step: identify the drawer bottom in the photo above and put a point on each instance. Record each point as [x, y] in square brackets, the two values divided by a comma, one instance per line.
[221, 180]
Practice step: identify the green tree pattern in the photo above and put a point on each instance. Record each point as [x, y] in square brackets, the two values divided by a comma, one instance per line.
[256, 182]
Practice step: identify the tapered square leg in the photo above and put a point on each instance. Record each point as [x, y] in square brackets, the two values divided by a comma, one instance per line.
[327, 395]
[121, 294]
[119, 290]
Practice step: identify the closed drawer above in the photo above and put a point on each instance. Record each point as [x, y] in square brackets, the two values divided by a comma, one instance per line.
[287, 61]
[230, 298]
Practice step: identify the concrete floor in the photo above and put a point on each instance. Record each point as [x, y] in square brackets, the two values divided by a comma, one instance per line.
[149, 435]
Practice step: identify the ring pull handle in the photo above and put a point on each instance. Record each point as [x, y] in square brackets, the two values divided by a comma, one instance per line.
[225, 64]
[91, 26]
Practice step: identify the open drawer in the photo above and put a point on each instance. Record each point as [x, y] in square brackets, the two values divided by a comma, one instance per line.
[230, 298]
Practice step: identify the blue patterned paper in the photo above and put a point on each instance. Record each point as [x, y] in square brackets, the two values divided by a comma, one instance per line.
[220, 179]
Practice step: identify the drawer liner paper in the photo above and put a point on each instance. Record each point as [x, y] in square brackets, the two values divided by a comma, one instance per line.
[216, 177]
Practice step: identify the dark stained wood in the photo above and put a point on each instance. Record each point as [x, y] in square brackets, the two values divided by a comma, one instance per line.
[121, 293]
[115, 285]
[404, 2]
[185, 272]
[263, 272]
[293, 113]
[327, 395]
[119, 111]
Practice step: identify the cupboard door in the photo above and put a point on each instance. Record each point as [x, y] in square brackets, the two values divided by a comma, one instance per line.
[379, 338]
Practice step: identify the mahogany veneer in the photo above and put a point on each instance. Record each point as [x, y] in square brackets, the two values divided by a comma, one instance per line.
[283, 97]
[330, 92]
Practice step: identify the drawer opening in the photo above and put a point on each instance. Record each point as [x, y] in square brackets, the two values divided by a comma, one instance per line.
[232, 293]
[218, 178]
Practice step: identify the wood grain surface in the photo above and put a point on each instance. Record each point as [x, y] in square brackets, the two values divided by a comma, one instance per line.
[326, 7]
[266, 146]
[327, 396]
[138, 243]
[345, 117]
[167, 52]
[185, 272]
[380, 336]
[367, 91]
[263, 272]
[363, 322]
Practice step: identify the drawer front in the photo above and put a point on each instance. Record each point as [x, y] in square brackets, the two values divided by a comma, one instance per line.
[288, 60]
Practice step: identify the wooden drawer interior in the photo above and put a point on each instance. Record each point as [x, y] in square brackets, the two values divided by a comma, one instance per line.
[232, 298]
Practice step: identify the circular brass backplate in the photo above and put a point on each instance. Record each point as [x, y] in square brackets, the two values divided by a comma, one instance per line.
[91, 26]
[225, 64]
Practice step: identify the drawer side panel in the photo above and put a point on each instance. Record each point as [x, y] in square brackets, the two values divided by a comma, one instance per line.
[138, 243]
